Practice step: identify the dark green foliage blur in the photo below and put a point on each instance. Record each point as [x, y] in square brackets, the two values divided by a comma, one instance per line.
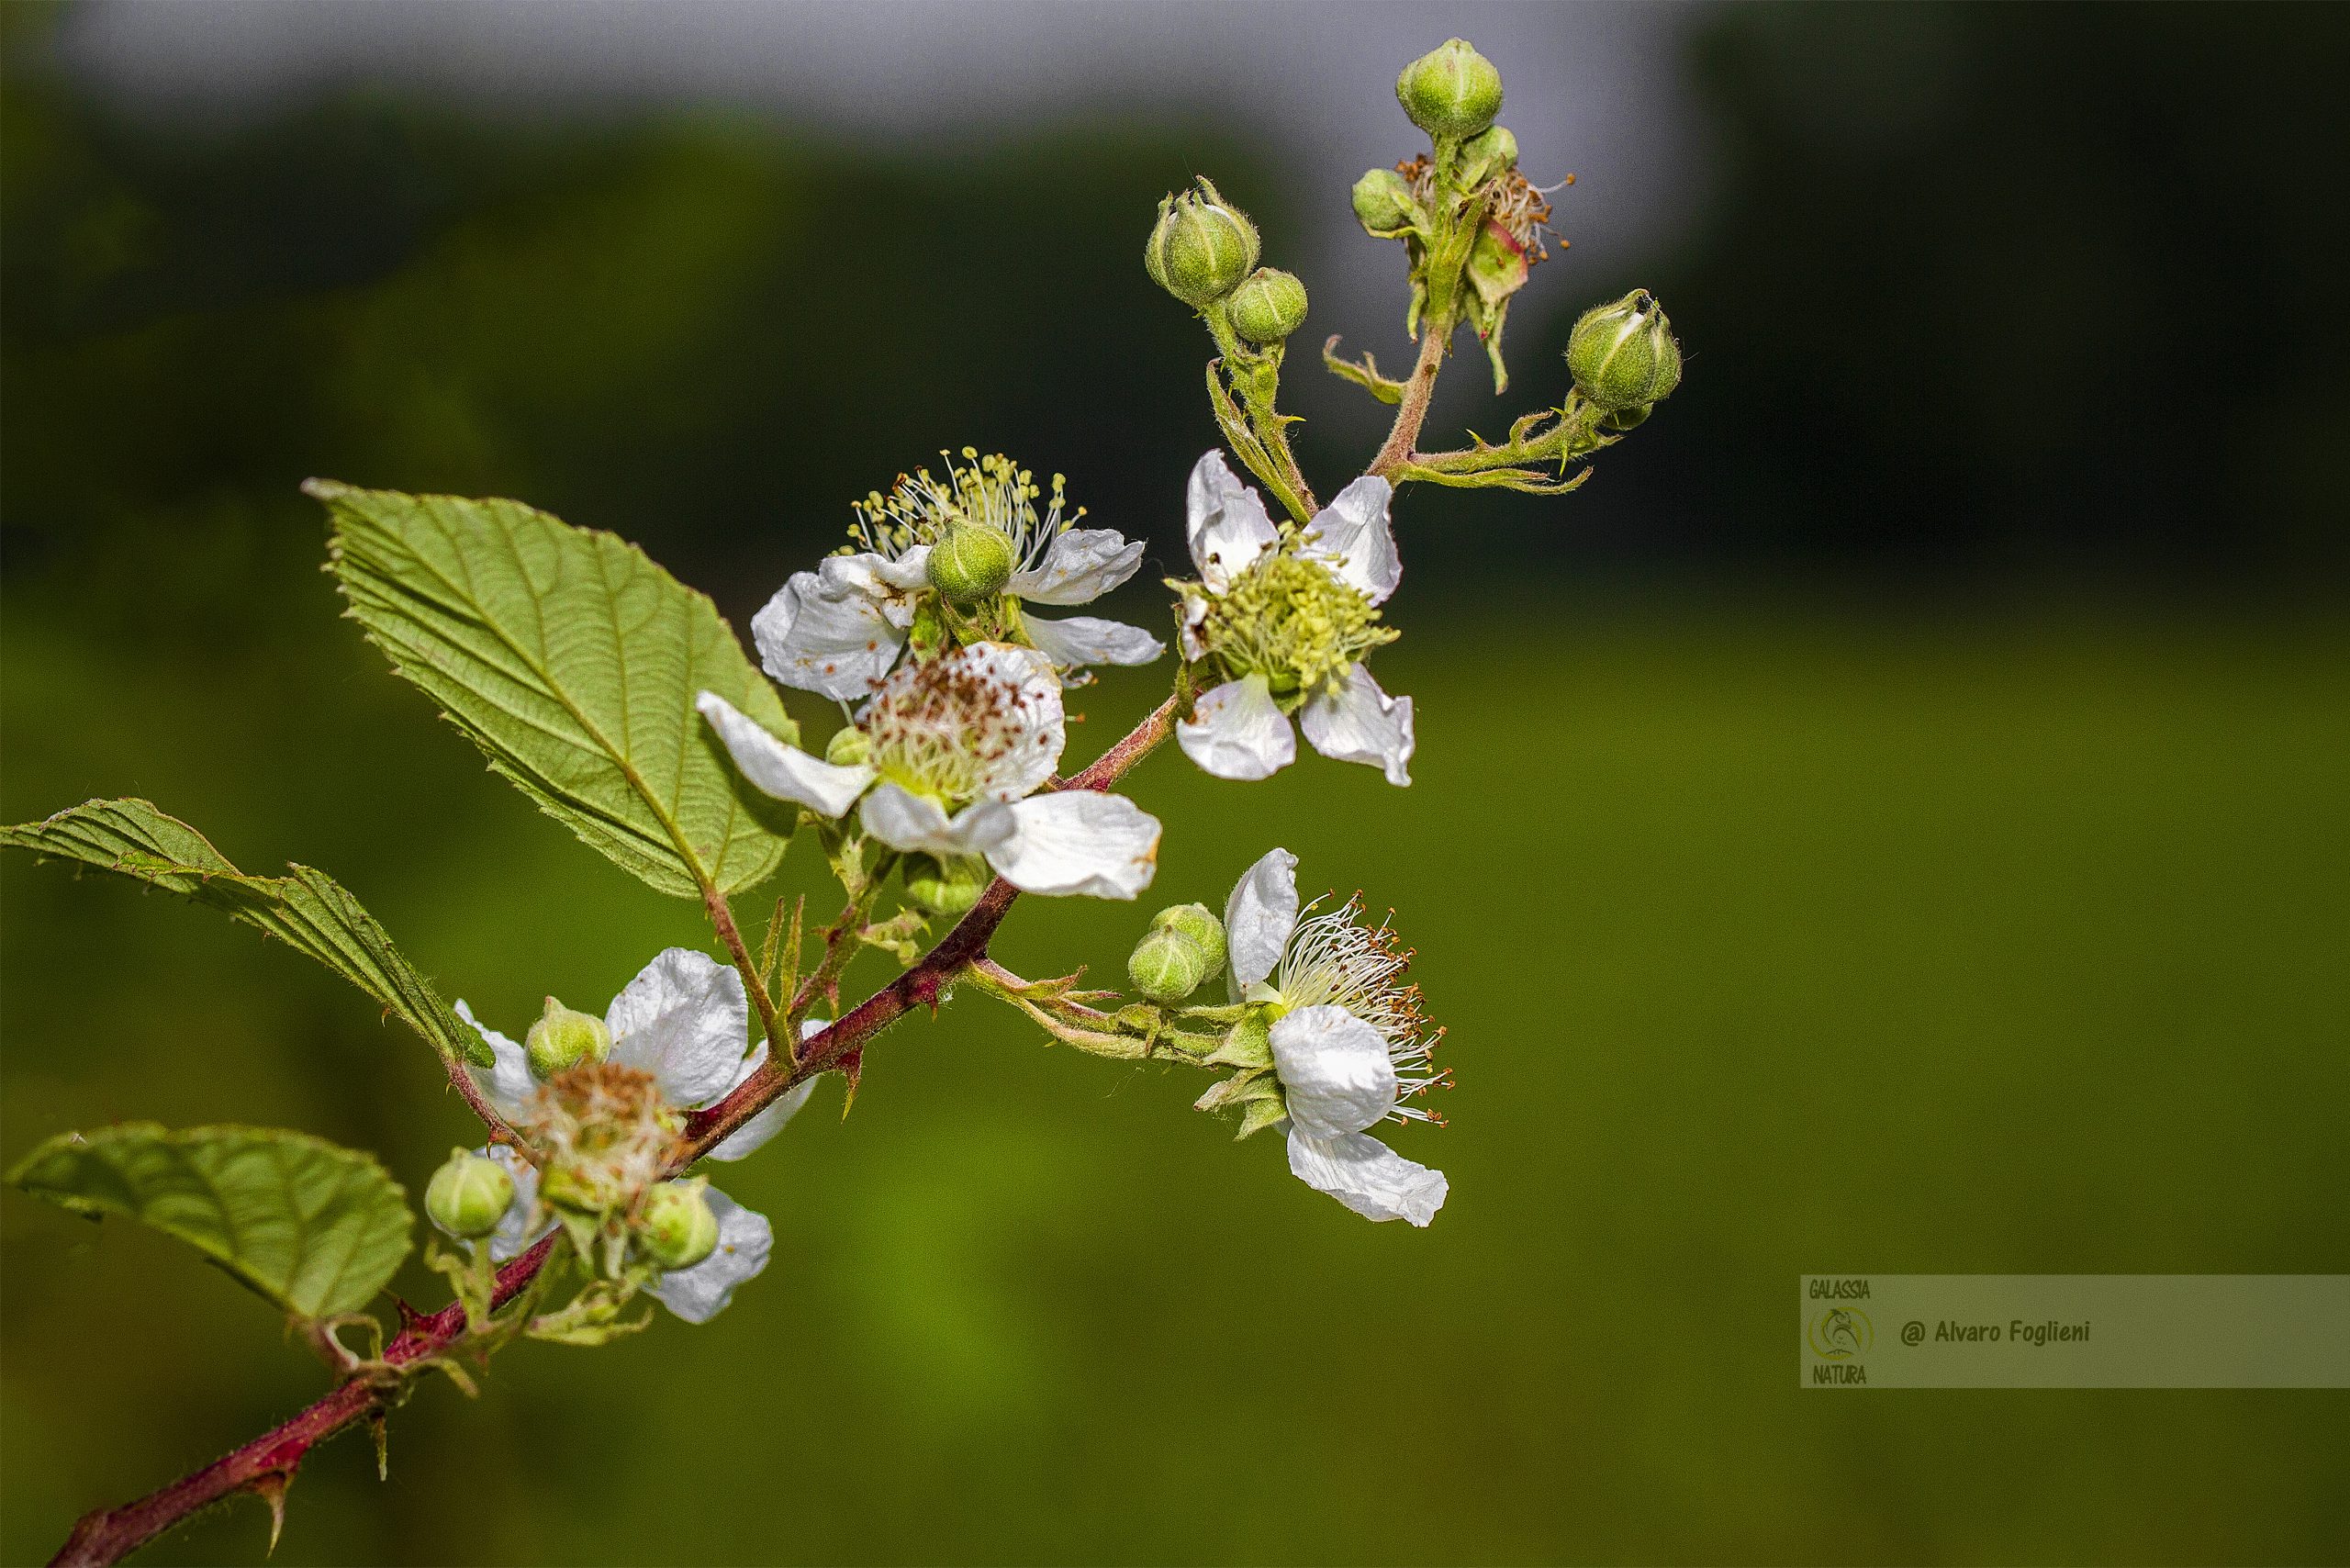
[1891, 818]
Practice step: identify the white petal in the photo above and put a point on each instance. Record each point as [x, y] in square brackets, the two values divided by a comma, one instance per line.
[1353, 536]
[835, 630]
[1088, 640]
[1039, 728]
[1361, 724]
[1259, 918]
[784, 771]
[747, 1137]
[1080, 566]
[1079, 841]
[513, 1237]
[909, 573]
[1366, 1176]
[701, 1292]
[685, 1019]
[903, 820]
[1235, 731]
[507, 1085]
[1225, 523]
[1194, 616]
[1335, 1070]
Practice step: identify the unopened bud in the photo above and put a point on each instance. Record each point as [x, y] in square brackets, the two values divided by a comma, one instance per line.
[1384, 204]
[1166, 965]
[945, 887]
[1451, 90]
[1201, 247]
[1490, 152]
[972, 562]
[1269, 306]
[849, 746]
[469, 1195]
[1623, 355]
[677, 1228]
[1206, 931]
[562, 1039]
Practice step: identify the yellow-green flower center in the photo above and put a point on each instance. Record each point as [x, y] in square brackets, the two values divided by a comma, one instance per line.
[1294, 622]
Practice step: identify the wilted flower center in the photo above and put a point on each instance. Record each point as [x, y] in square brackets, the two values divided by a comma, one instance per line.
[990, 491]
[1513, 201]
[1293, 622]
[953, 728]
[1333, 960]
[607, 1131]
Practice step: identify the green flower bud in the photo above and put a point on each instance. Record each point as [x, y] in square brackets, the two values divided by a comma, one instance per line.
[677, 1229]
[1166, 965]
[469, 1194]
[1269, 306]
[1451, 90]
[1490, 152]
[563, 1039]
[972, 562]
[1201, 247]
[1204, 929]
[1623, 355]
[946, 887]
[848, 747]
[1384, 204]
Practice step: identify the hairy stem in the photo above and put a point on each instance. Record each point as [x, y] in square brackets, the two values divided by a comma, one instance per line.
[722, 920]
[1418, 389]
[266, 1465]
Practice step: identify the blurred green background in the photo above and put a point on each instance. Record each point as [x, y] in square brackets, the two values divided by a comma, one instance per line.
[1892, 819]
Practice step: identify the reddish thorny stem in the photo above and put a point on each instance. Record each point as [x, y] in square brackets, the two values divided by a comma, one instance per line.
[266, 1465]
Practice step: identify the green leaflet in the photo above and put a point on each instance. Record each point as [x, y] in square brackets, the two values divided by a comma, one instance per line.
[572, 662]
[317, 1228]
[307, 909]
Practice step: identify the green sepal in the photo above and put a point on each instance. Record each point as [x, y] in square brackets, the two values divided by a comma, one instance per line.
[1259, 1114]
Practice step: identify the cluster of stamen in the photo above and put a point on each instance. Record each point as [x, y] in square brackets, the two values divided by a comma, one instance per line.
[1292, 621]
[607, 1134]
[992, 492]
[1517, 203]
[954, 728]
[1337, 960]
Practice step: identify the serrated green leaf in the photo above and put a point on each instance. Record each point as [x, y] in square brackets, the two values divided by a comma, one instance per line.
[307, 909]
[317, 1228]
[573, 661]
